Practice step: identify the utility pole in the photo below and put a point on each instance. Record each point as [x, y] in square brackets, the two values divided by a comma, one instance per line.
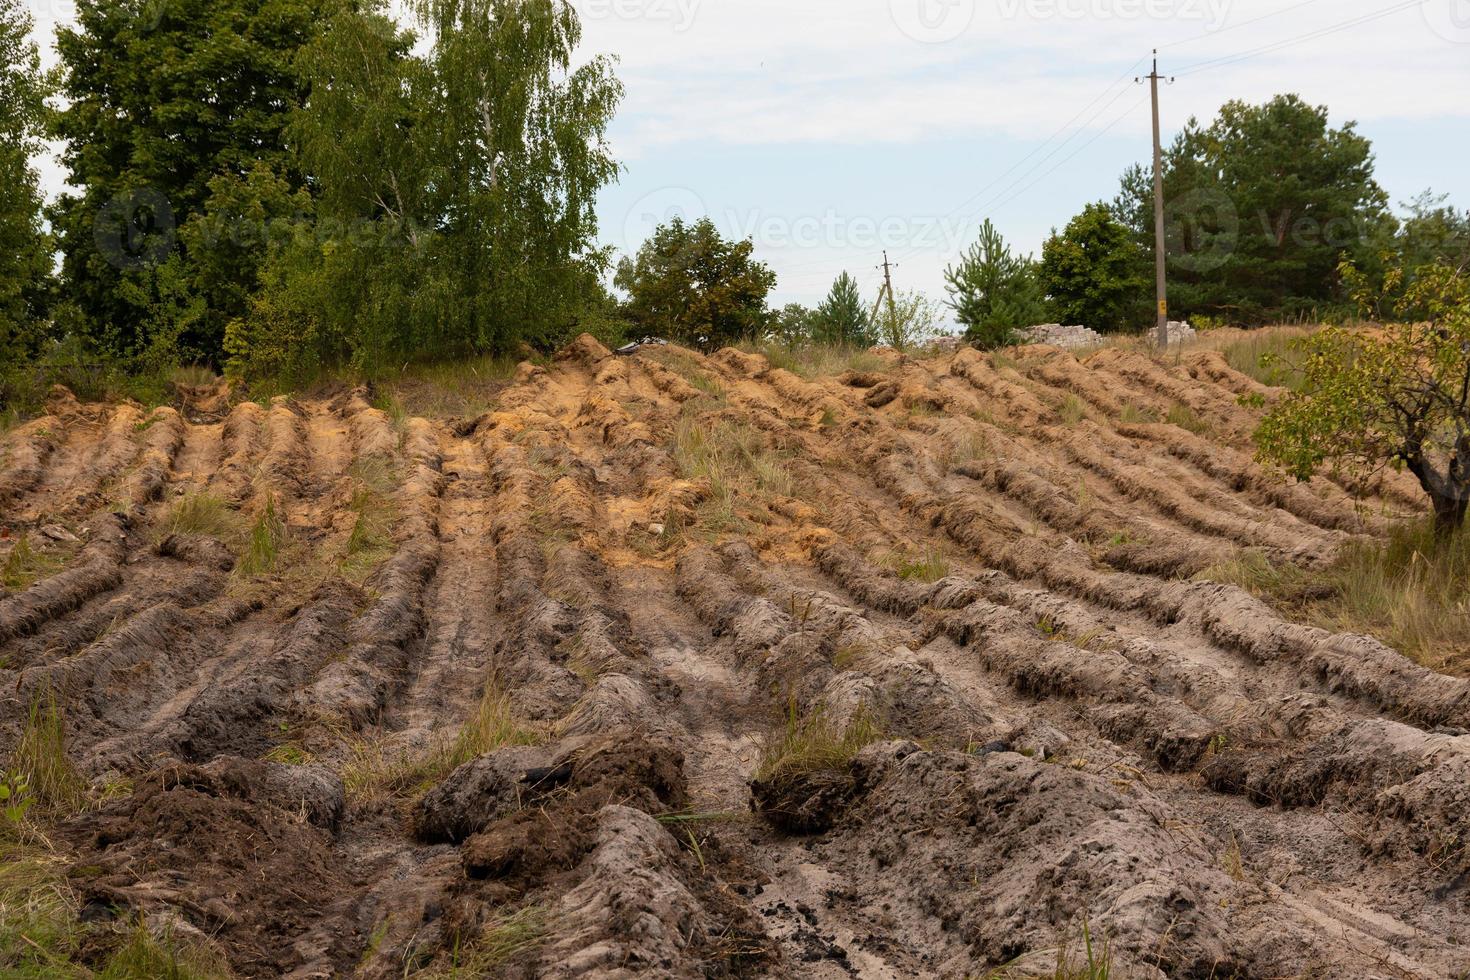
[1161, 285]
[887, 285]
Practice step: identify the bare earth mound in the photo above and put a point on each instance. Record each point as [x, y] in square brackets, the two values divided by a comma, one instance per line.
[675, 665]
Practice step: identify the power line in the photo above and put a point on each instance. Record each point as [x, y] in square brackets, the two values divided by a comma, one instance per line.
[1207, 35]
[1225, 60]
[978, 195]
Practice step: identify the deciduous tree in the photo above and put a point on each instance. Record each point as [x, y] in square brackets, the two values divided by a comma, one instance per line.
[1090, 271]
[697, 287]
[1399, 397]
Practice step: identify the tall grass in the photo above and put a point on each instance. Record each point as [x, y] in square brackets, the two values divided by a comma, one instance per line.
[203, 513]
[263, 545]
[40, 758]
[371, 541]
[1410, 590]
[503, 939]
[24, 565]
[819, 360]
[1267, 356]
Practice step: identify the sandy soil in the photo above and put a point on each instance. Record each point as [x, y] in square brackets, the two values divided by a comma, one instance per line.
[1079, 737]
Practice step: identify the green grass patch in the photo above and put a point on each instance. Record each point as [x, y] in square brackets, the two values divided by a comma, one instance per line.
[820, 360]
[146, 954]
[501, 940]
[40, 758]
[930, 565]
[203, 513]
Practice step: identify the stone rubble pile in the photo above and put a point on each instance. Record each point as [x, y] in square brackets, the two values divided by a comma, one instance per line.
[1057, 335]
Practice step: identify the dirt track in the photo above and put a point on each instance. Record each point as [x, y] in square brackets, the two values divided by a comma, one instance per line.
[1077, 734]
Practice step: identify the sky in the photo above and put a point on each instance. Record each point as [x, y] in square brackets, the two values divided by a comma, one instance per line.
[829, 131]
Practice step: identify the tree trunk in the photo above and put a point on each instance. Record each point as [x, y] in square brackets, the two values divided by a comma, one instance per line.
[1449, 513]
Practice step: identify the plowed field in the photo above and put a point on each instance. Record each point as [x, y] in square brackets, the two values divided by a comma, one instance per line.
[685, 665]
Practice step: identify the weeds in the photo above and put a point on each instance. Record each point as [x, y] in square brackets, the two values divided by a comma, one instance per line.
[1131, 414]
[371, 540]
[40, 758]
[930, 566]
[38, 911]
[203, 513]
[149, 955]
[1264, 356]
[1072, 410]
[1092, 962]
[737, 464]
[820, 360]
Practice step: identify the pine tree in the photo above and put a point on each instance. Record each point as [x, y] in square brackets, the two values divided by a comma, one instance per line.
[993, 292]
[842, 318]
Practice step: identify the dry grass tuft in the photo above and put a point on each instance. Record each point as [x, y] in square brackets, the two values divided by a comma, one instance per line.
[736, 462]
[814, 741]
[25, 565]
[502, 940]
[376, 770]
[1410, 590]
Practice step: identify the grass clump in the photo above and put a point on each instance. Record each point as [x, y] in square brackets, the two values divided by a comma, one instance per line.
[820, 360]
[1072, 410]
[202, 513]
[1093, 961]
[40, 758]
[375, 771]
[24, 565]
[502, 940]
[929, 566]
[1131, 414]
[263, 543]
[146, 954]
[371, 540]
[735, 461]
[1410, 590]
[1183, 416]
[814, 741]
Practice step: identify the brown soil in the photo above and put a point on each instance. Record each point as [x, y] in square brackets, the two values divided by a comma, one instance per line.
[977, 557]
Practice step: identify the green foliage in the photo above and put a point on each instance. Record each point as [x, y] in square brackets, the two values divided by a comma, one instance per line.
[25, 261]
[1259, 207]
[263, 543]
[691, 284]
[814, 741]
[842, 318]
[40, 758]
[993, 292]
[793, 325]
[455, 212]
[906, 320]
[1397, 398]
[166, 105]
[1090, 271]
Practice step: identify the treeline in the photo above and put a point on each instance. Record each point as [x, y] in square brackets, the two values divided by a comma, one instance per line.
[283, 185]
[1270, 215]
[279, 187]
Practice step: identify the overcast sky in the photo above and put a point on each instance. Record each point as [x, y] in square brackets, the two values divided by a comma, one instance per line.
[829, 130]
